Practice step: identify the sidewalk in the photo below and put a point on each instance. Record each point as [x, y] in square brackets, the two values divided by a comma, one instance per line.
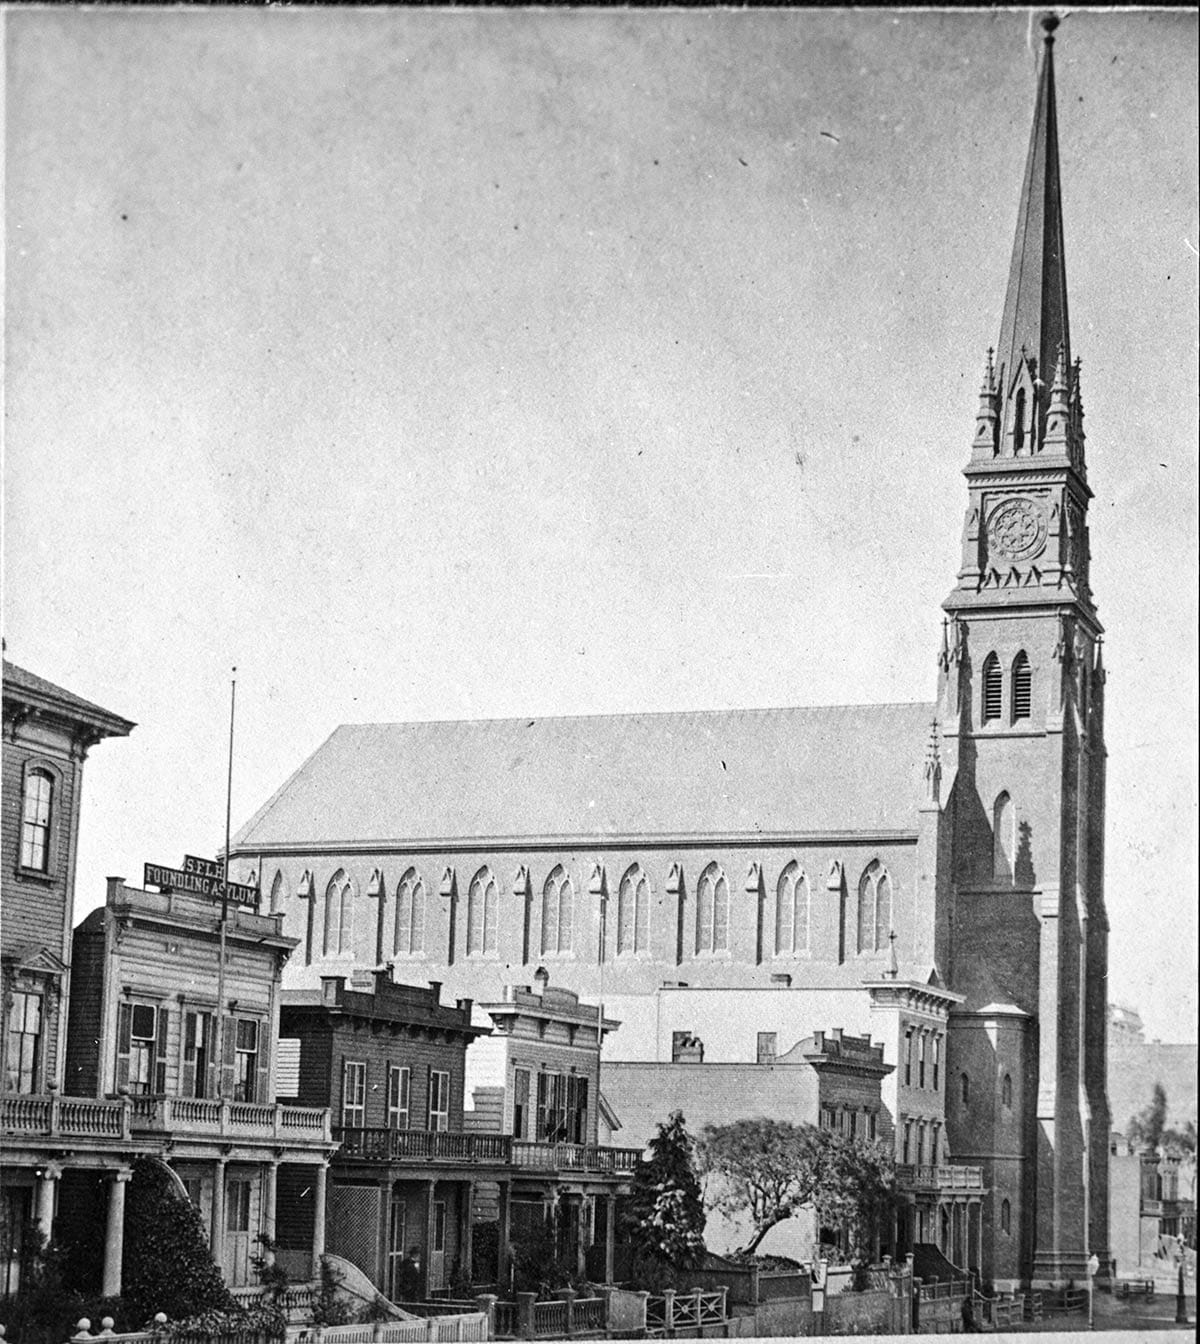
[1113, 1315]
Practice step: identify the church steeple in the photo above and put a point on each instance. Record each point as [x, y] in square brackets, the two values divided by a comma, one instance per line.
[1035, 328]
[1025, 539]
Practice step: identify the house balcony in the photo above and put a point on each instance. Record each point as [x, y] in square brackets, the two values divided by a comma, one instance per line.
[949, 1179]
[64, 1118]
[475, 1149]
[203, 1118]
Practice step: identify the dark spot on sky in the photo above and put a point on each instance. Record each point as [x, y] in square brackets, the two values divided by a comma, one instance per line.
[124, 216]
[724, 766]
[829, 135]
[530, 723]
[743, 162]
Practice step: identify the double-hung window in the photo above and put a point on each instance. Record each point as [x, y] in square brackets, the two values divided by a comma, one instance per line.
[142, 1048]
[24, 1047]
[35, 821]
[245, 1062]
[398, 1093]
[439, 1099]
[354, 1094]
[197, 1054]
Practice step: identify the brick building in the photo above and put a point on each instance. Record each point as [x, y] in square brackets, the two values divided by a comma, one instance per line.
[960, 842]
[48, 733]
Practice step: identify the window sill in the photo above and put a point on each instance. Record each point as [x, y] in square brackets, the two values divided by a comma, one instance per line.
[35, 874]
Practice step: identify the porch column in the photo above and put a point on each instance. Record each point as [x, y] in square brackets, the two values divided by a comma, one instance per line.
[114, 1234]
[502, 1236]
[45, 1200]
[466, 1235]
[610, 1237]
[581, 1239]
[979, 1237]
[216, 1240]
[270, 1179]
[318, 1241]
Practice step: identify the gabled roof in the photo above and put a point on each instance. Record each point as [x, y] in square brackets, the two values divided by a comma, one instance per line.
[830, 770]
[37, 693]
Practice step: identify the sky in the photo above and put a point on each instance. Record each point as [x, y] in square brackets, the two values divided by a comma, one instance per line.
[451, 364]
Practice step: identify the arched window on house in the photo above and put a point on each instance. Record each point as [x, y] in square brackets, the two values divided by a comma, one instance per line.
[558, 908]
[712, 911]
[993, 688]
[481, 914]
[633, 912]
[1022, 687]
[35, 820]
[874, 908]
[1005, 1217]
[1003, 837]
[1006, 1092]
[339, 915]
[409, 937]
[965, 1090]
[791, 911]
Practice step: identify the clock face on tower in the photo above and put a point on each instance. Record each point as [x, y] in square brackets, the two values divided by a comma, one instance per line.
[1016, 530]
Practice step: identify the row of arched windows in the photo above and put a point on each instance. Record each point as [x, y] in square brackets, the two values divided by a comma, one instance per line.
[868, 916]
[1020, 704]
[1006, 1091]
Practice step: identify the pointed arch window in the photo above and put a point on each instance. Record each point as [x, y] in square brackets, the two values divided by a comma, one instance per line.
[1005, 1217]
[791, 911]
[1022, 687]
[993, 688]
[339, 915]
[633, 912]
[965, 1090]
[1003, 831]
[1019, 423]
[481, 914]
[35, 821]
[409, 936]
[276, 892]
[874, 908]
[1006, 1092]
[558, 908]
[712, 911]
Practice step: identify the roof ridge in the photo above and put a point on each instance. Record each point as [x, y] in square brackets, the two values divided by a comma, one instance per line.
[635, 714]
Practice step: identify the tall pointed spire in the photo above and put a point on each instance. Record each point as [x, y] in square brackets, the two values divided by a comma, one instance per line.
[1035, 307]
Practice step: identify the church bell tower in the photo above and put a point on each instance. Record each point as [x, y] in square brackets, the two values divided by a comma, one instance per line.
[1021, 687]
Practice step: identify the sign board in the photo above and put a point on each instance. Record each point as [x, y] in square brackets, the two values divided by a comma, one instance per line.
[203, 867]
[199, 884]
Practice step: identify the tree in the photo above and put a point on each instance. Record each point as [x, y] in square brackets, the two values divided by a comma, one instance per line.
[664, 1218]
[1146, 1128]
[167, 1263]
[767, 1169]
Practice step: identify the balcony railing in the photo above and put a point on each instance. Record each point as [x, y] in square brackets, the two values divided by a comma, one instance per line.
[73, 1117]
[120, 1117]
[926, 1177]
[200, 1117]
[419, 1145]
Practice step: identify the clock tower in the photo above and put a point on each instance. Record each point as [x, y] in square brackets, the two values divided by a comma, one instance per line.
[1021, 703]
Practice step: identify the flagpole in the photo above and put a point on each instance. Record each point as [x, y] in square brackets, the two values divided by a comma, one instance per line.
[220, 1041]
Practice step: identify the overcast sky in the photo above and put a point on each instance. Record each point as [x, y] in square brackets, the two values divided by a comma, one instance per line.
[435, 364]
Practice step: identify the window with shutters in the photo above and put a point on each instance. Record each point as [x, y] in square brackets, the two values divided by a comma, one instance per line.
[142, 1048]
[633, 912]
[439, 1099]
[1003, 837]
[993, 688]
[23, 1046]
[768, 1044]
[245, 1062]
[922, 1045]
[354, 1093]
[399, 1089]
[482, 903]
[520, 1104]
[198, 1035]
[791, 911]
[35, 820]
[558, 904]
[409, 937]
[712, 911]
[1022, 687]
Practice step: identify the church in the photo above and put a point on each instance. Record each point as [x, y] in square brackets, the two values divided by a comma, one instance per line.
[931, 875]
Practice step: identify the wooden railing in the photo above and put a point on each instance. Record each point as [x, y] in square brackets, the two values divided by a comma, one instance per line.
[436, 1329]
[925, 1177]
[80, 1117]
[687, 1312]
[191, 1115]
[420, 1145]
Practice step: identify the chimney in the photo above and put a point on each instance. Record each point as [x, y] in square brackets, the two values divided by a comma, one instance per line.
[435, 992]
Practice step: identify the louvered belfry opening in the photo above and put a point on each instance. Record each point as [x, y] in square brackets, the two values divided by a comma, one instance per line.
[992, 688]
[1022, 687]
